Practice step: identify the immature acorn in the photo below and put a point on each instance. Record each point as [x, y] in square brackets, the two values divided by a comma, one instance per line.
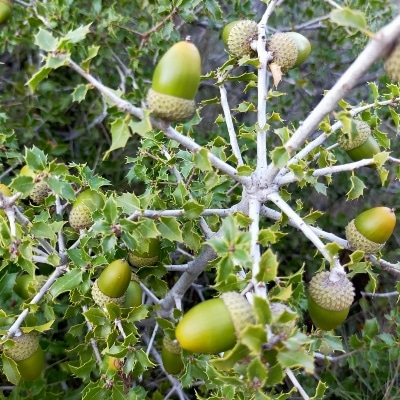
[111, 285]
[175, 83]
[5, 10]
[26, 286]
[85, 204]
[146, 255]
[171, 356]
[370, 230]
[289, 49]
[27, 354]
[238, 35]
[392, 64]
[133, 294]
[359, 144]
[214, 325]
[40, 189]
[330, 297]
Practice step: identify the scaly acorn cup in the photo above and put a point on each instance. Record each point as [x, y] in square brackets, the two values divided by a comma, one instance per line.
[289, 49]
[278, 327]
[360, 144]
[370, 230]
[40, 189]
[175, 83]
[171, 356]
[392, 64]
[329, 299]
[88, 201]
[28, 355]
[111, 285]
[5, 10]
[146, 255]
[214, 325]
[238, 35]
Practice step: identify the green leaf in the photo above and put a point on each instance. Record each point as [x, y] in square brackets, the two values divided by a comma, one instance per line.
[231, 357]
[280, 156]
[169, 229]
[143, 126]
[120, 134]
[193, 209]
[66, 283]
[45, 40]
[370, 329]
[201, 160]
[320, 391]
[10, 369]
[347, 17]
[36, 159]
[296, 358]
[256, 372]
[268, 266]
[128, 202]
[93, 51]
[75, 36]
[356, 189]
[80, 91]
[61, 188]
[37, 77]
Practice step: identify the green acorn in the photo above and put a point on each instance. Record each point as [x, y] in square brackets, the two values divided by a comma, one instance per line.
[371, 229]
[238, 35]
[41, 189]
[146, 255]
[27, 354]
[171, 356]
[392, 64]
[329, 299]
[5, 10]
[175, 83]
[111, 285]
[214, 325]
[88, 201]
[133, 295]
[359, 144]
[289, 49]
[26, 286]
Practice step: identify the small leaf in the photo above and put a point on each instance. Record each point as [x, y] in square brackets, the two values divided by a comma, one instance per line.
[169, 229]
[201, 160]
[141, 127]
[93, 50]
[347, 17]
[66, 283]
[193, 209]
[357, 188]
[120, 134]
[75, 36]
[280, 156]
[80, 91]
[268, 267]
[45, 40]
[37, 77]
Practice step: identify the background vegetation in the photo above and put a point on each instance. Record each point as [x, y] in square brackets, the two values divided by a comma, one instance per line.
[74, 75]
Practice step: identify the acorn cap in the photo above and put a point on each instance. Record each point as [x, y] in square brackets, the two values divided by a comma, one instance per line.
[332, 295]
[278, 327]
[170, 108]
[360, 132]
[172, 345]
[101, 299]
[284, 50]
[240, 311]
[357, 241]
[80, 217]
[241, 34]
[392, 64]
[25, 345]
[39, 192]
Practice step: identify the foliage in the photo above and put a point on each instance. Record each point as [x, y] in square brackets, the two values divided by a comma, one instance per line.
[251, 195]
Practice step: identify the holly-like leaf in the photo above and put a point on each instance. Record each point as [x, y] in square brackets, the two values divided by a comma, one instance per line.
[45, 40]
[120, 134]
[356, 189]
[66, 283]
[169, 228]
[279, 156]
[350, 18]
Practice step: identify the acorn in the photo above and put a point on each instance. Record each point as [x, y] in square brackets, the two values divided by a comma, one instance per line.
[134, 293]
[392, 64]
[289, 49]
[329, 299]
[111, 285]
[359, 144]
[214, 325]
[238, 35]
[27, 354]
[171, 356]
[40, 189]
[175, 83]
[146, 255]
[88, 201]
[370, 230]
[26, 286]
[5, 10]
